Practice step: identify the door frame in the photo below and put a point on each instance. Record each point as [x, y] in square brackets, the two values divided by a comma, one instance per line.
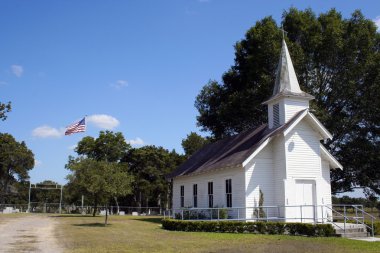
[314, 197]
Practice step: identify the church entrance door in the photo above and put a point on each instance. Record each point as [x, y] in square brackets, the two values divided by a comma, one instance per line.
[305, 199]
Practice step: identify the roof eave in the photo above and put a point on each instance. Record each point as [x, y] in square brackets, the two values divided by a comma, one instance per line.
[334, 163]
[236, 166]
[316, 123]
[256, 152]
[303, 96]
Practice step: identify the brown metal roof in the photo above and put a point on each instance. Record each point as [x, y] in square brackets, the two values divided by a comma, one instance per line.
[229, 152]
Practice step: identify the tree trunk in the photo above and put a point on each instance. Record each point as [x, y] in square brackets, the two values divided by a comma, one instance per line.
[106, 219]
[117, 205]
[95, 205]
[140, 199]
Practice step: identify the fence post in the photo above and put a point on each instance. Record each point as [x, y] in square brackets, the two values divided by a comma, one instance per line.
[344, 211]
[30, 185]
[60, 200]
[301, 213]
[345, 222]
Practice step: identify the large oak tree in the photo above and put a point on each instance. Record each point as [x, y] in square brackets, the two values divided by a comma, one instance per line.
[15, 162]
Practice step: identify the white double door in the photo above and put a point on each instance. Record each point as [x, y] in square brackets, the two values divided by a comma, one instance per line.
[305, 200]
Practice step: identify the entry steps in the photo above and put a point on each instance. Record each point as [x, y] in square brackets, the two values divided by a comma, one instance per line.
[352, 230]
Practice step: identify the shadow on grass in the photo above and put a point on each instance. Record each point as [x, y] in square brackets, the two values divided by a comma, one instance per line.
[93, 225]
[74, 216]
[152, 220]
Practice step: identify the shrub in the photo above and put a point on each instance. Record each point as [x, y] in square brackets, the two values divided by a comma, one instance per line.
[250, 227]
[376, 227]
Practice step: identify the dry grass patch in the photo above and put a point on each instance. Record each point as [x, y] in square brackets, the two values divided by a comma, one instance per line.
[144, 234]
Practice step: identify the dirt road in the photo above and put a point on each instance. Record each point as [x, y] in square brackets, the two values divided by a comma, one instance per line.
[29, 233]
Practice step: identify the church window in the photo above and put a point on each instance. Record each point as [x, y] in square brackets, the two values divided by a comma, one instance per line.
[182, 196]
[195, 195]
[210, 194]
[228, 193]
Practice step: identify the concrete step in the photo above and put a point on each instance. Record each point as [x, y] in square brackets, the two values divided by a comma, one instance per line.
[352, 230]
[354, 235]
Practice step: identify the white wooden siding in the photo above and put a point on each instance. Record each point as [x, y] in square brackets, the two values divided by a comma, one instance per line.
[302, 153]
[303, 162]
[292, 106]
[219, 180]
[279, 169]
[325, 188]
[259, 176]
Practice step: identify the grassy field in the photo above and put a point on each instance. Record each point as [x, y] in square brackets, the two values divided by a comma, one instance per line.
[144, 234]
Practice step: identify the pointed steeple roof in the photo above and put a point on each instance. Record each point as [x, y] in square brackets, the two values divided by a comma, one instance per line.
[286, 80]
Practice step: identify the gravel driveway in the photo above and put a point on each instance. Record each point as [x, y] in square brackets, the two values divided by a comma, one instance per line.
[29, 233]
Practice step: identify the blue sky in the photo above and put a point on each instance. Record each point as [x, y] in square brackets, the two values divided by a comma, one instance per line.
[131, 66]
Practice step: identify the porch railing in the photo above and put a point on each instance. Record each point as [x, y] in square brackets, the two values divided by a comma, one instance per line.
[354, 214]
[332, 214]
[303, 213]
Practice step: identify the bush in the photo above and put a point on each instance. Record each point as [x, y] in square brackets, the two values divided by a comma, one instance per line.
[376, 227]
[274, 228]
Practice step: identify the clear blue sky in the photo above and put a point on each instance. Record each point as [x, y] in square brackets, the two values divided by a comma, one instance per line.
[132, 66]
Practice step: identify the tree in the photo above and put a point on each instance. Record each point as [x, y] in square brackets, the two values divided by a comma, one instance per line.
[15, 162]
[192, 143]
[149, 165]
[104, 180]
[4, 108]
[108, 146]
[337, 60]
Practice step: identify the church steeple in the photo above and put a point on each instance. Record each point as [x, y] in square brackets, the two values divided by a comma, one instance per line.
[287, 98]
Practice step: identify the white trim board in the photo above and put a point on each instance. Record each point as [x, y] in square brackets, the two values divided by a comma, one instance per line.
[330, 158]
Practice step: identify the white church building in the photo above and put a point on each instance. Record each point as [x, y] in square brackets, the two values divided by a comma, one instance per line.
[280, 166]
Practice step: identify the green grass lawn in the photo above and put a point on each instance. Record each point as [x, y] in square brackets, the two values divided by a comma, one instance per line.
[144, 234]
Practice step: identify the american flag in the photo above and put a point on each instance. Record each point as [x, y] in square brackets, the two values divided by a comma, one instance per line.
[76, 127]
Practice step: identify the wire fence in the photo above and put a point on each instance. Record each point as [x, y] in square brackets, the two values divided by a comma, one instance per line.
[37, 207]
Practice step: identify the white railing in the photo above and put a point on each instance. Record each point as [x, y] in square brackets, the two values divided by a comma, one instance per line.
[297, 213]
[354, 213]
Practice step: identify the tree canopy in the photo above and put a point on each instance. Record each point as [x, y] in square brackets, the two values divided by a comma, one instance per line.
[98, 171]
[149, 165]
[109, 146]
[104, 180]
[4, 109]
[15, 162]
[192, 143]
[337, 60]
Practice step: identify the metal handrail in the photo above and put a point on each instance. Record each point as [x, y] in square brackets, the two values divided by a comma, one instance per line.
[332, 221]
[363, 223]
[185, 213]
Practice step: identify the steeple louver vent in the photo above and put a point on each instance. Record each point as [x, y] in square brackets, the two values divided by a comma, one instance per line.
[276, 115]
